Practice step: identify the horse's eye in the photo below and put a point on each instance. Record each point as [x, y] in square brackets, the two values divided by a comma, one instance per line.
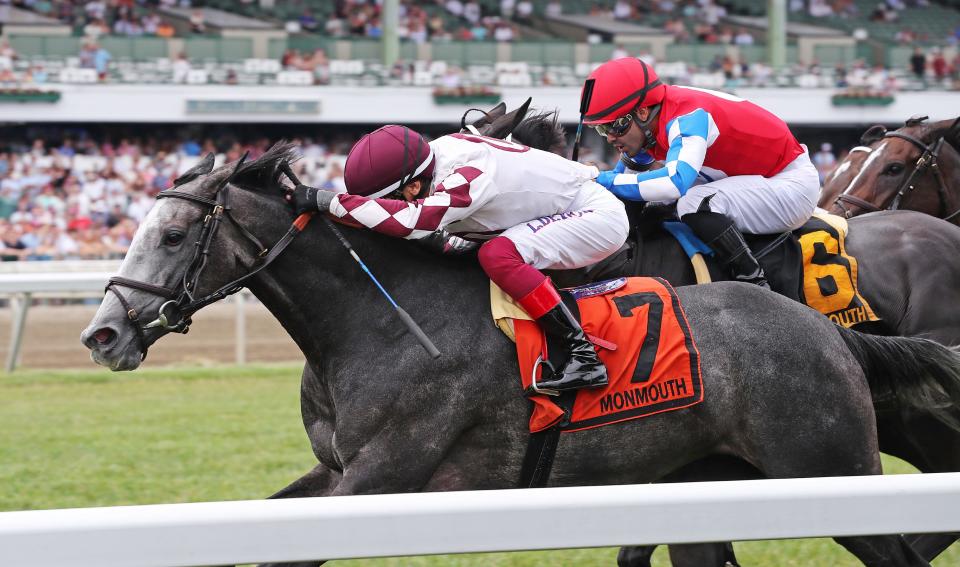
[173, 237]
[893, 169]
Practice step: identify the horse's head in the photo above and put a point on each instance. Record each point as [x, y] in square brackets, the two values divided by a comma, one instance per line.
[185, 255]
[909, 168]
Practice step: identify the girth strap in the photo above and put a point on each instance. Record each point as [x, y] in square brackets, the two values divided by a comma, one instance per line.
[542, 447]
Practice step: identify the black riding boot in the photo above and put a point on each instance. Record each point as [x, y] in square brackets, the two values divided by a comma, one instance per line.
[719, 232]
[743, 266]
[583, 369]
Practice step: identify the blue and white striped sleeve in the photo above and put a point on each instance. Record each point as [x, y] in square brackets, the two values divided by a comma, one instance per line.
[689, 137]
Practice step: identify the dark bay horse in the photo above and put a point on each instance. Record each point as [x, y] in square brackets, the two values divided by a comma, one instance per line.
[382, 416]
[915, 168]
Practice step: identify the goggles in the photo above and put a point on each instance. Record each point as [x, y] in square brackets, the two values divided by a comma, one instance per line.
[617, 127]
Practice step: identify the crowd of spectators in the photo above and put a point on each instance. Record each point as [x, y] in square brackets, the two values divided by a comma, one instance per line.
[80, 198]
[69, 196]
[96, 18]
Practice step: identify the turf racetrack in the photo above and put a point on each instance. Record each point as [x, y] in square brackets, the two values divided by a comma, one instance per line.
[188, 434]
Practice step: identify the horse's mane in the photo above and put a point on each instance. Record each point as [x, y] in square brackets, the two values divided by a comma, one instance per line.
[265, 171]
[542, 131]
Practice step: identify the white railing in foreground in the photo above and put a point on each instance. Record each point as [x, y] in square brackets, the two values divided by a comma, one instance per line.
[219, 533]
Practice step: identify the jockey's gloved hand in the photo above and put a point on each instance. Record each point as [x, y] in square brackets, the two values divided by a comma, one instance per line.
[306, 199]
[605, 178]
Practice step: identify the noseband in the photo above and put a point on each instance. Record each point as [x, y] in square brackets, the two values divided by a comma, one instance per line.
[927, 161]
[175, 314]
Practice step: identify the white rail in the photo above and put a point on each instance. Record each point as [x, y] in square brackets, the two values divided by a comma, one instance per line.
[22, 284]
[219, 533]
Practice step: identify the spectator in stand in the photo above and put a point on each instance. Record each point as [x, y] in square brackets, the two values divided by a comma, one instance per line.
[918, 64]
[455, 7]
[375, 31]
[151, 23]
[939, 66]
[503, 31]
[181, 67]
[198, 23]
[507, 8]
[676, 27]
[166, 29]
[472, 12]
[824, 160]
[554, 8]
[525, 12]
[619, 52]
[743, 37]
[94, 29]
[7, 51]
[622, 10]
[307, 21]
[820, 9]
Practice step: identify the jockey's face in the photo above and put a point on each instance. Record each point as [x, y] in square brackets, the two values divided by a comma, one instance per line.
[412, 189]
[633, 140]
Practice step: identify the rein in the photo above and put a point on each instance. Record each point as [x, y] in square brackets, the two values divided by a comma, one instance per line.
[926, 161]
[175, 314]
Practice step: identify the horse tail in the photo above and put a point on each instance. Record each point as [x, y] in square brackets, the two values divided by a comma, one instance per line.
[920, 374]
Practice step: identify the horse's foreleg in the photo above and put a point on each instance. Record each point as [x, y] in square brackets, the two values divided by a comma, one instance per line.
[320, 481]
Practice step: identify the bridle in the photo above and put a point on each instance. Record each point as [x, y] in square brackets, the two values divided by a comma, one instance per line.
[926, 162]
[175, 314]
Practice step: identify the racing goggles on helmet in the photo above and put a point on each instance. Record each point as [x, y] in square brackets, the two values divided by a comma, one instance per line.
[617, 127]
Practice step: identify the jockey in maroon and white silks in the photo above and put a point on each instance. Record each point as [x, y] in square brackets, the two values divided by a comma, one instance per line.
[534, 210]
[758, 178]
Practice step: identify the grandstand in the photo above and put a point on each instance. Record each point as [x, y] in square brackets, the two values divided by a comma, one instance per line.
[74, 186]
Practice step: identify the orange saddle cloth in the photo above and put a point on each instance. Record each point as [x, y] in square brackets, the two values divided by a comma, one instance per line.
[642, 336]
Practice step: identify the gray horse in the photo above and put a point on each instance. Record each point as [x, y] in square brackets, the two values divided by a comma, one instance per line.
[382, 416]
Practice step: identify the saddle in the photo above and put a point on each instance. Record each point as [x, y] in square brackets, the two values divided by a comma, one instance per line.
[642, 336]
[809, 265]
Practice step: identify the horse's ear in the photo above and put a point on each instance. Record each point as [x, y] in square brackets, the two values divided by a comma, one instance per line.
[873, 134]
[203, 167]
[915, 120]
[497, 111]
[505, 124]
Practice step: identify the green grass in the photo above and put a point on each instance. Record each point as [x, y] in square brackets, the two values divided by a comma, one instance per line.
[95, 438]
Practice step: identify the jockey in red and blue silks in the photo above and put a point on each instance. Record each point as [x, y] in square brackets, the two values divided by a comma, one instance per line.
[532, 210]
[730, 165]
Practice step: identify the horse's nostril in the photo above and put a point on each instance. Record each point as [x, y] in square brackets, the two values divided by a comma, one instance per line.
[104, 336]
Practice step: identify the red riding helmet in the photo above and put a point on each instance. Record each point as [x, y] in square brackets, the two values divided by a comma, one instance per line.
[385, 160]
[620, 86]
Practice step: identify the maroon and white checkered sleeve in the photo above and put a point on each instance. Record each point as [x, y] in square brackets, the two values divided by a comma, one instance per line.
[455, 198]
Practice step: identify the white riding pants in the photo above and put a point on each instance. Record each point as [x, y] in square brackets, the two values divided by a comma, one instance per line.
[592, 228]
[761, 205]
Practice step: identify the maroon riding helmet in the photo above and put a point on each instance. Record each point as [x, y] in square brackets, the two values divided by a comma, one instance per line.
[385, 160]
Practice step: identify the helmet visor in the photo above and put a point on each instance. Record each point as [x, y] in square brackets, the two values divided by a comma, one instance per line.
[617, 127]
